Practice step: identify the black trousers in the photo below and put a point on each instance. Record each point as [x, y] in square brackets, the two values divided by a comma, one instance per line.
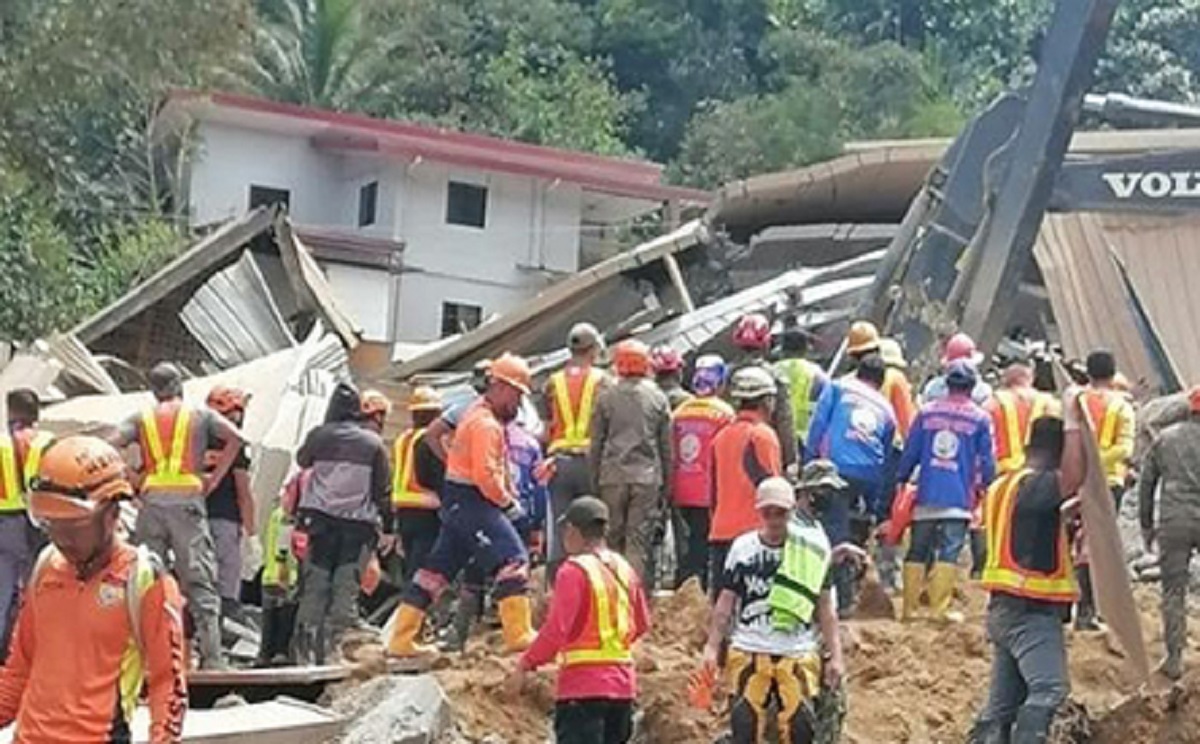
[691, 544]
[418, 530]
[593, 721]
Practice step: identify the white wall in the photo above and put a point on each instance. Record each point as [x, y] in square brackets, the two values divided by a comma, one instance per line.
[366, 294]
[422, 295]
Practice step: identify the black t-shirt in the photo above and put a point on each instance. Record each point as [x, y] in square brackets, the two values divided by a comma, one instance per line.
[222, 502]
[430, 471]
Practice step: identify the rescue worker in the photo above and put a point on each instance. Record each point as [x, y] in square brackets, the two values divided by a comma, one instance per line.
[343, 503]
[806, 380]
[101, 616]
[479, 506]
[1028, 576]
[776, 607]
[667, 364]
[864, 340]
[745, 453]
[454, 407]
[694, 426]
[1171, 461]
[752, 335]
[172, 438]
[568, 403]
[1113, 424]
[959, 348]
[374, 407]
[21, 448]
[597, 613]
[280, 576]
[951, 441]
[854, 428]
[630, 454]
[230, 507]
[417, 479]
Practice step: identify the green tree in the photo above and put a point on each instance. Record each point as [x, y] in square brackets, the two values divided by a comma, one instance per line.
[1153, 51]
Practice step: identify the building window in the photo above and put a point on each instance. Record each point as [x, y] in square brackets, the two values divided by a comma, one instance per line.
[459, 317]
[368, 197]
[466, 204]
[265, 196]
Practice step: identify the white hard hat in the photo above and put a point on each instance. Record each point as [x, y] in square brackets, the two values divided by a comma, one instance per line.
[752, 382]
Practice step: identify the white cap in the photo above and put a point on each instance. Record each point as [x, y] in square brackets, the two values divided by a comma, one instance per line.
[776, 492]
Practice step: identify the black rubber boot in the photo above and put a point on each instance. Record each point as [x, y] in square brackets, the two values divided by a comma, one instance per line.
[1033, 725]
[1085, 608]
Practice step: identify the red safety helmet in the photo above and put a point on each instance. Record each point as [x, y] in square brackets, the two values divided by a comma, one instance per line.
[665, 359]
[961, 346]
[632, 358]
[374, 403]
[225, 400]
[752, 332]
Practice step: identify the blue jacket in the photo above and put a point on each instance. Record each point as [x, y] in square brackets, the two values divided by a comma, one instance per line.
[854, 426]
[524, 455]
[951, 440]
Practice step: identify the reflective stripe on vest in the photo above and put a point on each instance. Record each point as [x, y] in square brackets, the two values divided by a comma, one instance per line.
[1018, 414]
[1104, 412]
[610, 579]
[279, 565]
[167, 472]
[407, 492]
[800, 376]
[33, 458]
[576, 423]
[796, 586]
[12, 499]
[1001, 572]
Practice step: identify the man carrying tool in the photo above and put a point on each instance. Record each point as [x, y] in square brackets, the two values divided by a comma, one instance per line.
[775, 595]
[1173, 461]
[1028, 575]
[21, 448]
[343, 503]
[417, 479]
[752, 335]
[745, 453]
[951, 441]
[230, 507]
[694, 426]
[172, 437]
[806, 380]
[855, 429]
[568, 403]
[668, 374]
[863, 340]
[100, 618]
[479, 506]
[630, 455]
[598, 612]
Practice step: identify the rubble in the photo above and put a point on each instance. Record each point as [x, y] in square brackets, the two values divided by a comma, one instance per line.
[397, 710]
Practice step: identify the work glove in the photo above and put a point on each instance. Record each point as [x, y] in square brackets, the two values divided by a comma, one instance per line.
[514, 512]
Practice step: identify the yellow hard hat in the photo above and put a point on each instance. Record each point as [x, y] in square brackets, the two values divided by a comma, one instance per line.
[424, 398]
[863, 337]
[893, 355]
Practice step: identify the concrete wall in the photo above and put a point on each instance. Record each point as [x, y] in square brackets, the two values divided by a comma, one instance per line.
[366, 294]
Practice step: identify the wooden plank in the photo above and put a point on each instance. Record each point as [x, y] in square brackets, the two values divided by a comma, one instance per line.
[274, 676]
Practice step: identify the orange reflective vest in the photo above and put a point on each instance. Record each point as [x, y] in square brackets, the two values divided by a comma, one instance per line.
[167, 447]
[608, 635]
[1107, 411]
[1013, 414]
[15, 475]
[1002, 573]
[573, 399]
[407, 491]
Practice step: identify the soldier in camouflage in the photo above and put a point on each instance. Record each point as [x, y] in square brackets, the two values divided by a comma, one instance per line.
[1173, 459]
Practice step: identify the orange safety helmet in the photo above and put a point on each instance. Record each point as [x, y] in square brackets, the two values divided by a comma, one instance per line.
[424, 398]
[76, 476]
[632, 358]
[225, 400]
[862, 338]
[512, 370]
[374, 403]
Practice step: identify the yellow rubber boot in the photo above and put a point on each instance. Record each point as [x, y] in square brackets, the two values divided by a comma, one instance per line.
[406, 626]
[943, 579]
[516, 623]
[914, 583]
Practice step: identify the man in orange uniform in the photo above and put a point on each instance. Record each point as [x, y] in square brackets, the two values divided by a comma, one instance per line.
[598, 612]
[479, 506]
[172, 438]
[863, 340]
[101, 616]
[745, 453]
[21, 447]
[417, 477]
[568, 401]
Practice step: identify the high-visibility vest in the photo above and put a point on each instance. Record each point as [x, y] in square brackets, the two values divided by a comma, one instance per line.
[168, 467]
[407, 491]
[15, 479]
[607, 637]
[1001, 572]
[573, 412]
[800, 375]
[279, 564]
[1104, 412]
[1013, 420]
[796, 586]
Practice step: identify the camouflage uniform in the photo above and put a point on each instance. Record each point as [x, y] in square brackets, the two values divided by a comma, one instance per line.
[1174, 460]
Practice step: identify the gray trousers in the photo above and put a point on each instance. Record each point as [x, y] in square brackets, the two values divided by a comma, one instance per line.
[16, 561]
[227, 536]
[1029, 673]
[176, 529]
[572, 479]
[632, 516]
[1177, 541]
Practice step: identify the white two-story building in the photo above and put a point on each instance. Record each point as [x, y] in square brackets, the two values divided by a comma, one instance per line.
[423, 232]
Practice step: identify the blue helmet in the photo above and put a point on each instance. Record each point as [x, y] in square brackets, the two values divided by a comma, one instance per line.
[709, 375]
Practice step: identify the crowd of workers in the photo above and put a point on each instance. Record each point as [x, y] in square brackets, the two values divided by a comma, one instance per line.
[777, 482]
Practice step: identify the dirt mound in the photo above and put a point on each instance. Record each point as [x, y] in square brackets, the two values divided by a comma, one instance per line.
[1163, 716]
